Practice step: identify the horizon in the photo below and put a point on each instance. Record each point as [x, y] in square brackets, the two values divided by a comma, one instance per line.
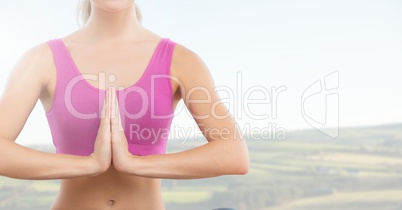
[195, 140]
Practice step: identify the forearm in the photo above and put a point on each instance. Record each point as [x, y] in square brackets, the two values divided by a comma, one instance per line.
[20, 162]
[216, 158]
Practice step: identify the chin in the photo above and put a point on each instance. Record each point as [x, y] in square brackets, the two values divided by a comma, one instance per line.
[112, 5]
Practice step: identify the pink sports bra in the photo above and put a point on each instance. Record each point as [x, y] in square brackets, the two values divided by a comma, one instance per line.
[146, 107]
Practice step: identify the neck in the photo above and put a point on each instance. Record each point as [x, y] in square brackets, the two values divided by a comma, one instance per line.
[106, 26]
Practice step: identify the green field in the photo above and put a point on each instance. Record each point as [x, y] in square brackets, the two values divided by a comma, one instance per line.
[347, 200]
[362, 169]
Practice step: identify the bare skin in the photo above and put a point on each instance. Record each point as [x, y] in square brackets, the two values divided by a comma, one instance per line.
[111, 176]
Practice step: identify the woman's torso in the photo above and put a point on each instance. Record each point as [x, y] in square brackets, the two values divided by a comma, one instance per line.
[111, 189]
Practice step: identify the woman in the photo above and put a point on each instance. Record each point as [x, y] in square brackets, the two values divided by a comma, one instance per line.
[113, 65]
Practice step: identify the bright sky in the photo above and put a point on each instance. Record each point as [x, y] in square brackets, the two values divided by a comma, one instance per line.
[263, 45]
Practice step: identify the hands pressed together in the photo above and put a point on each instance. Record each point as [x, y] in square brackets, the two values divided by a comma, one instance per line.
[111, 147]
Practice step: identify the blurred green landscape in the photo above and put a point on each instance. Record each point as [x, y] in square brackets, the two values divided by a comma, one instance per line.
[362, 169]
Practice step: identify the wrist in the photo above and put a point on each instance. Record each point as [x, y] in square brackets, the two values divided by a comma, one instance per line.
[92, 166]
[129, 165]
[137, 167]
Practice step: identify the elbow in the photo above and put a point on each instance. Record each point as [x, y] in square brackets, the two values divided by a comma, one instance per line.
[236, 166]
[240, 165]
[244, 170]
[235, 162]
[243, 162]
[243, 167]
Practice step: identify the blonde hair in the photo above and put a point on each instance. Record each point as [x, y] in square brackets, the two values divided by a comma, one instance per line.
[84, 11]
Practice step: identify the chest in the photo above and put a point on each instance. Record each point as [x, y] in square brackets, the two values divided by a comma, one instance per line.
[120, 66]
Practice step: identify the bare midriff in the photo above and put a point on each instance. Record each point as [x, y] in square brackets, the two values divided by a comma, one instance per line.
[110, 190]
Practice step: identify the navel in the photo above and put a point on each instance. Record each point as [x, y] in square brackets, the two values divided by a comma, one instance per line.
[111, 203]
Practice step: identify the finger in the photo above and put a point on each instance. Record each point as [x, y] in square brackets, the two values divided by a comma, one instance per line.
[105, 116]
[118, 118]
[112, 104]
[116, 125]
[113, 108]
[120, 124]
[107, 102]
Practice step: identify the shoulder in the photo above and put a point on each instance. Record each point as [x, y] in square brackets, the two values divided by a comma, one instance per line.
[39, 55]
[39, 52]
[36, 62]
[186, 63]
[183, 55]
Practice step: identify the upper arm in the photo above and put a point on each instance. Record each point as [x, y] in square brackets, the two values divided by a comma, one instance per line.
[197, 89]
[24, 86]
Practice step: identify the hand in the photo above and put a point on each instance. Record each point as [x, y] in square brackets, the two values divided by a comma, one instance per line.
[102, 154]
[121, 155]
